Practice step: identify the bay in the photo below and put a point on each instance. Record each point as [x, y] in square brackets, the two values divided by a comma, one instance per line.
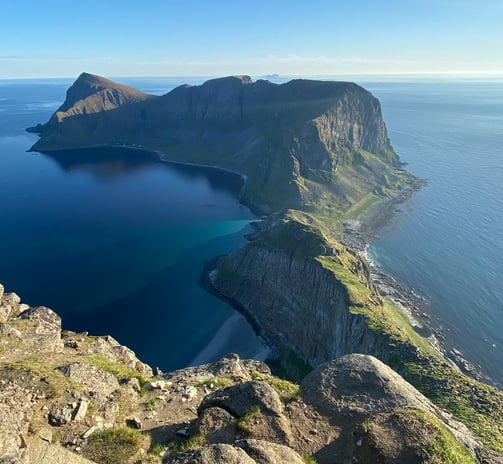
[116, 242]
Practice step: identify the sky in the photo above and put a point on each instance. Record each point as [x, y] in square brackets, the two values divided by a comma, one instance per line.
[56, 38]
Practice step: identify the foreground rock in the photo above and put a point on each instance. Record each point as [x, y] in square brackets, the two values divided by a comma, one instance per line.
[74, 398]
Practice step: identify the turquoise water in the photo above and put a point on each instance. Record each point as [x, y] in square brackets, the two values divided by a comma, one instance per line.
[448, 241]
[117, 247]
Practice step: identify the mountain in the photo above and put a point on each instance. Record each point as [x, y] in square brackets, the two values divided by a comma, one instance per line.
[304, 144]
[317, 159]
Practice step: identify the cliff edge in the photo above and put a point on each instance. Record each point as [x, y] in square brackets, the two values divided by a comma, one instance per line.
[76, 398]
[310, 145]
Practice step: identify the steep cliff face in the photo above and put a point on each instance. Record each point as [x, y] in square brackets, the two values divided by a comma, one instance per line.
[301, 144]
[298, 303]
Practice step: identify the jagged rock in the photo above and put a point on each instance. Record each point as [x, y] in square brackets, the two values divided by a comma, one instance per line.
[92, 378]
[44, 331]
[110, 348]
[265, 452]
[15, 415]
[1, 291]
[61, 414]
[11, 298]
[217, 425]
[231, 366]
[241, 398]
[212, 454]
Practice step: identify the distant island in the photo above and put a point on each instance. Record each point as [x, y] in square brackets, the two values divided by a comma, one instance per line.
[321, 171]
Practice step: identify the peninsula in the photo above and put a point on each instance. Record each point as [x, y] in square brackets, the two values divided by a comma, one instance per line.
[320, 168]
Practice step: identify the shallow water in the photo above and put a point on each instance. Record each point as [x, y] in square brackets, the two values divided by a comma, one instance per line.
[447, 243]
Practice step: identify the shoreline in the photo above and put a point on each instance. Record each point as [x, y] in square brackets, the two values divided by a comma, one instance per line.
[358, 235]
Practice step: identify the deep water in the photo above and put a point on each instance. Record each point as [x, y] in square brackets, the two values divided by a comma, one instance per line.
[447, 243]
[117, 247]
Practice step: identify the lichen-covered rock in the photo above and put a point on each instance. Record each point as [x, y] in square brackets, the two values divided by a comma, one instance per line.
[44, 332]
[265, 452]
[216, 425]
[92, 378]
[212, 454]
[241, 398]
[359, 384]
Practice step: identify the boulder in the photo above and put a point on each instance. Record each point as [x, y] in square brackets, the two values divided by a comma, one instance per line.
[44, 331]
[212, 454]
[265, 452]
[241, 398]
[359, 385]
[217, 425]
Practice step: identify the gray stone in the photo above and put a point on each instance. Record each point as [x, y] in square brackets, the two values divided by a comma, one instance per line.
[61, 414]
[240, 398]
[134, 422]
[359, 384]
[212, 454]
[217, 425]
[81, 410]
[92, 378]
[265, 452]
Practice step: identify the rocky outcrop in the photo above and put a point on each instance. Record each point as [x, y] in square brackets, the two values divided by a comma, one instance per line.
[80, 403]
[297, 143]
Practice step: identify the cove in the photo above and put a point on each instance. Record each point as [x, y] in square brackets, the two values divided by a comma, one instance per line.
[115, 241]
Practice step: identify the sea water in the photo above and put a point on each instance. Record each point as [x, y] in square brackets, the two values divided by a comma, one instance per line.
[116, 242]
[447, 242]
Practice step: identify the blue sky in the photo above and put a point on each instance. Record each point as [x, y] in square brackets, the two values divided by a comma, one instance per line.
[55, 38]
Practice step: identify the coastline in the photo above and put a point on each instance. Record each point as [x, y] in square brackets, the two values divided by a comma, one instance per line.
[358, 235]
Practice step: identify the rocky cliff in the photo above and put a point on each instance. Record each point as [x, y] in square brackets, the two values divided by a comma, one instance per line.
[312, 296]
[75, 398]
[303, 144]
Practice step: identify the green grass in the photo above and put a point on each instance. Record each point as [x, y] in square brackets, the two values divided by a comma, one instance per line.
[195, 442]
[243, 424]
[443, 447]
[309, 460]
[120, 371]
[215, 382]
[287, 391]
[113, 446]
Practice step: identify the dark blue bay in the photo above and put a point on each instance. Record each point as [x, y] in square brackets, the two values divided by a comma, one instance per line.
[115, 241]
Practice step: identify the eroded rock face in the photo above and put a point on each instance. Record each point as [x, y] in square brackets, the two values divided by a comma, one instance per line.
[265, 452]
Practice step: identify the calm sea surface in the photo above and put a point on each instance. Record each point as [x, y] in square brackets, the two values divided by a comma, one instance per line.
[118, 248]
[448, 242]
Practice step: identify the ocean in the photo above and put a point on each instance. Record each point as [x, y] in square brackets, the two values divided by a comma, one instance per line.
[446, 243]
[119, 247]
